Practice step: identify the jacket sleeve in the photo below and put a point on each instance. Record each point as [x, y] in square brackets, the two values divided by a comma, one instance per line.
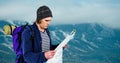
[29, 55]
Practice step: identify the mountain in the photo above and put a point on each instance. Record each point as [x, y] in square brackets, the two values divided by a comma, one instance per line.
[92, 43]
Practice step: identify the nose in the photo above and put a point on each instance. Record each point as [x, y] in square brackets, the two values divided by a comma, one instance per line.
[48, 22]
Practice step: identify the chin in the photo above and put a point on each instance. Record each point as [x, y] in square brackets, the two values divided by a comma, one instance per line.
[46, 27]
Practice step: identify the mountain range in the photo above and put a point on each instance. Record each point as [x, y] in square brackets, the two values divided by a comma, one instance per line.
[92, 43]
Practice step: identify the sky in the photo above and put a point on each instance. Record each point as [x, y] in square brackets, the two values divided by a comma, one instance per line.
[64, 11]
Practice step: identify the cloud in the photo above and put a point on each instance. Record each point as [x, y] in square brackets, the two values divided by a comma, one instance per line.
[84, 12]
[66, 11]
[16, 11]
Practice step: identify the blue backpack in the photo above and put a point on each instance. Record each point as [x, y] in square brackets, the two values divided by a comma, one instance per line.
[16, 36]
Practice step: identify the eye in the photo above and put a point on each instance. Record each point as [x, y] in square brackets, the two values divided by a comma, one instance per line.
[47, 20]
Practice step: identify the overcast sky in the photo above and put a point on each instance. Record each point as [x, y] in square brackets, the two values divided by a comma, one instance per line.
[64, 11]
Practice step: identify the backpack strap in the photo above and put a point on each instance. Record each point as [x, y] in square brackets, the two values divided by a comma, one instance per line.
[32, 35]
[10, 29]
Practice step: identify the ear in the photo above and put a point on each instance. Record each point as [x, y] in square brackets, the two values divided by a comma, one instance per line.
[38, 21]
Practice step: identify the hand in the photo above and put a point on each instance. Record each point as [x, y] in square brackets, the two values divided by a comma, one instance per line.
[49, 54]
[64, 46]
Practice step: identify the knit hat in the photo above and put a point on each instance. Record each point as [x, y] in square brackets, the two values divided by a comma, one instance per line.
[43, 12]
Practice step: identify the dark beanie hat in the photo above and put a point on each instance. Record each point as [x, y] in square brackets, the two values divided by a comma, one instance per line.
[43, 12]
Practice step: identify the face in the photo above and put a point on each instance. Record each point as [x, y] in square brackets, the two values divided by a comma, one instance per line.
[44, 23]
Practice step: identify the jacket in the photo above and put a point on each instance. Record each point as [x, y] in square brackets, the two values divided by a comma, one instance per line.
[32, 52]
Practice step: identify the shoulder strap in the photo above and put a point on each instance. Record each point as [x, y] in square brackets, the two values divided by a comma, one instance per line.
[10, 29]
[32, 32]
[32, 35]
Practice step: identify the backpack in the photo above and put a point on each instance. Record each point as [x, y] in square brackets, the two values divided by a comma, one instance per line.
[16, 36]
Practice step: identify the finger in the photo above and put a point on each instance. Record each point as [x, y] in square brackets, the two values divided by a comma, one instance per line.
[53, 51]
[50, 56]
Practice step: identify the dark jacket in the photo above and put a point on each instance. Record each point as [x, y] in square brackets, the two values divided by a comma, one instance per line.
[32, 52]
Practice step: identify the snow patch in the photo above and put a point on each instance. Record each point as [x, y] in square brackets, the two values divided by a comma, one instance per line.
[8, 45]
[88, 42]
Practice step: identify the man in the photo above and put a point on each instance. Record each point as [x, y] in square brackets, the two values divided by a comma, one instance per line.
[41, 49]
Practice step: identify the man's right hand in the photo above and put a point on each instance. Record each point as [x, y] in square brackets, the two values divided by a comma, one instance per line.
[49, 54]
